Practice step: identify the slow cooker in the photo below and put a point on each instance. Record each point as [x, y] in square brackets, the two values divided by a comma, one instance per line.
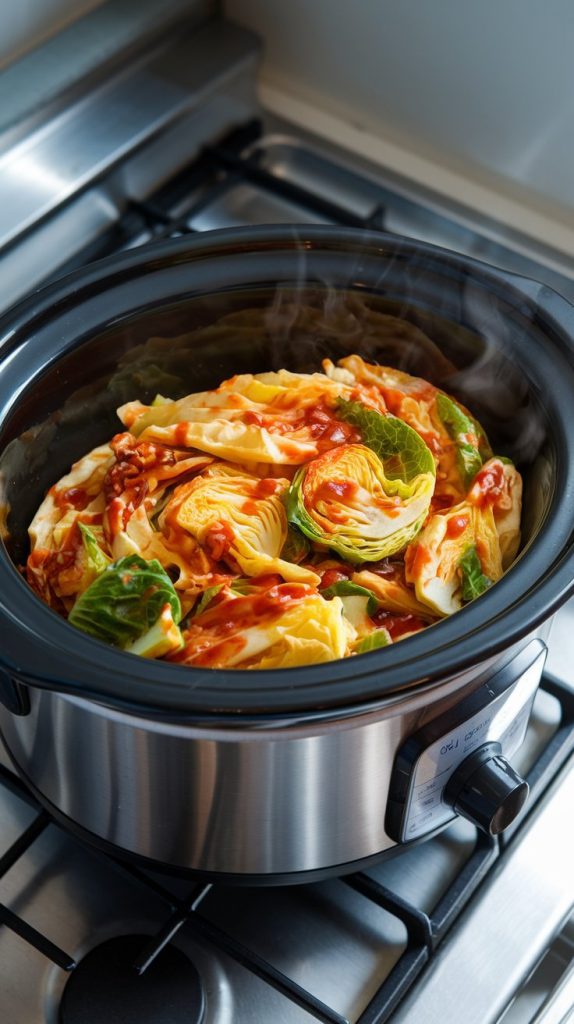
[286, 775]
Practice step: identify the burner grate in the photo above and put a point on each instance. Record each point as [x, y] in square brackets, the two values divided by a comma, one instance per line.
[173, 209]
[425, 930]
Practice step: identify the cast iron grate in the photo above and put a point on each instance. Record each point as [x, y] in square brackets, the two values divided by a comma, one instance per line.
[425, 931]
[172, 210]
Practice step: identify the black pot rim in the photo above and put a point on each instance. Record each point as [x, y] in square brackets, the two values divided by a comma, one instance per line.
[42, 649]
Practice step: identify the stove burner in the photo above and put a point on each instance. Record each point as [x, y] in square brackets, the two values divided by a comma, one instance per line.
[106, 987]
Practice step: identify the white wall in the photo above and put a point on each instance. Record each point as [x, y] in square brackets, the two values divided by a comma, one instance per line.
[25, 23]
[478, 83]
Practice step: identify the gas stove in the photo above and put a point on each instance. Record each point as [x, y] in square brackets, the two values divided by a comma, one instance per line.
[170, 141]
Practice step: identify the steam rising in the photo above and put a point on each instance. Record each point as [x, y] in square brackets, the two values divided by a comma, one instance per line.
[393, 311]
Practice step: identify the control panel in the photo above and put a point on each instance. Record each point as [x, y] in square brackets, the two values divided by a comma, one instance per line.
[457, 764]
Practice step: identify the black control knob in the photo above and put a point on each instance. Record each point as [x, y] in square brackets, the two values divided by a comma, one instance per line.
[486, 789]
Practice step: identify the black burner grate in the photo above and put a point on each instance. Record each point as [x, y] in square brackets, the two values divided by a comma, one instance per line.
[425, 931]
[172, 210]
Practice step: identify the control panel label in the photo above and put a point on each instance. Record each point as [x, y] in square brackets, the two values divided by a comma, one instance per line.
[503, 719]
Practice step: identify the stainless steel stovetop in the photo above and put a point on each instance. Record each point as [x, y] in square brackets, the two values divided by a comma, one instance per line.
[192, 151]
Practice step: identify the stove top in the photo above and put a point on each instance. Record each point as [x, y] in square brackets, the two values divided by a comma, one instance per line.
[85, 938]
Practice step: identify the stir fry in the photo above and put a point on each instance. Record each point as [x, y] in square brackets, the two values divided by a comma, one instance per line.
[281, 519]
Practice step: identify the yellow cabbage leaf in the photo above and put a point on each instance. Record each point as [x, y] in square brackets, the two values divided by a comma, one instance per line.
[303, 627]
[346, 501]
[433, 561]
[499, 484]
[392, 595]
[233, 514]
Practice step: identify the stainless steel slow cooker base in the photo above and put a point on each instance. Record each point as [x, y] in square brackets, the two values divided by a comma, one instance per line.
[285, 801]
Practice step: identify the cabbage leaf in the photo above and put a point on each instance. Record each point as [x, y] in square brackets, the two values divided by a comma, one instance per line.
[344, 588]
[402, 451]
[467, 434]
[249, 519]
[372, 642]
[474, 582]
[360, 505]
[434, 563]
[125, 600]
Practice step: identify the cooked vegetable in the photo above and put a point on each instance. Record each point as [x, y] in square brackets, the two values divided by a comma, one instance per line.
[206, 598]
[125, 601]
[394, 595]
[160, 639]
[463, 432]
[240, 519]
[372, 642]
[296, 546]
[499, 485]
[359, 505]
[434, 563]
[344, 588]
[290, 625]
[280, 519]
[473, 580]
[403, 453]
[96, 558]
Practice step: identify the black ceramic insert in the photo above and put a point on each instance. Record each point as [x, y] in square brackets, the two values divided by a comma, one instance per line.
[157, 319]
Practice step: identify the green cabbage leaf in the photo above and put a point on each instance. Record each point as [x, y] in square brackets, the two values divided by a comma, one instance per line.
[365, 501]
[402, 451]
[474, 582]
[372, 642]
[125, 600]
[471, 442]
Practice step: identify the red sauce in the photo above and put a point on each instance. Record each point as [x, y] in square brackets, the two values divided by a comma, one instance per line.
[316, 422]
[332, 576]
[253, 419]
[180, 434]
[397, 625]
[115, 511]
[456, 526]
[215, 656]
[77, 497]
[333, 490]
[218, 540]
[419, 559]
[264, 488]
[440, 502]
[394, 399]
[489, 484]
[385, 568]
[249, 508]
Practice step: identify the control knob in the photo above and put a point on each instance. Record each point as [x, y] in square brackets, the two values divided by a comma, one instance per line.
[486, 790]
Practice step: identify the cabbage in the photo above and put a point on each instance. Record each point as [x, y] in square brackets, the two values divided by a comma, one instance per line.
[125, 600]
[468, 436]
[372, 642]
[403, 452]
[160, 639]
[344, 588]
[362, 506]
[436, 417]
[296, 627]
[436, 564]
[239, 517]
[473, 581]
[207, 597]
[499, 485]
[391, 594]
[247, 419]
